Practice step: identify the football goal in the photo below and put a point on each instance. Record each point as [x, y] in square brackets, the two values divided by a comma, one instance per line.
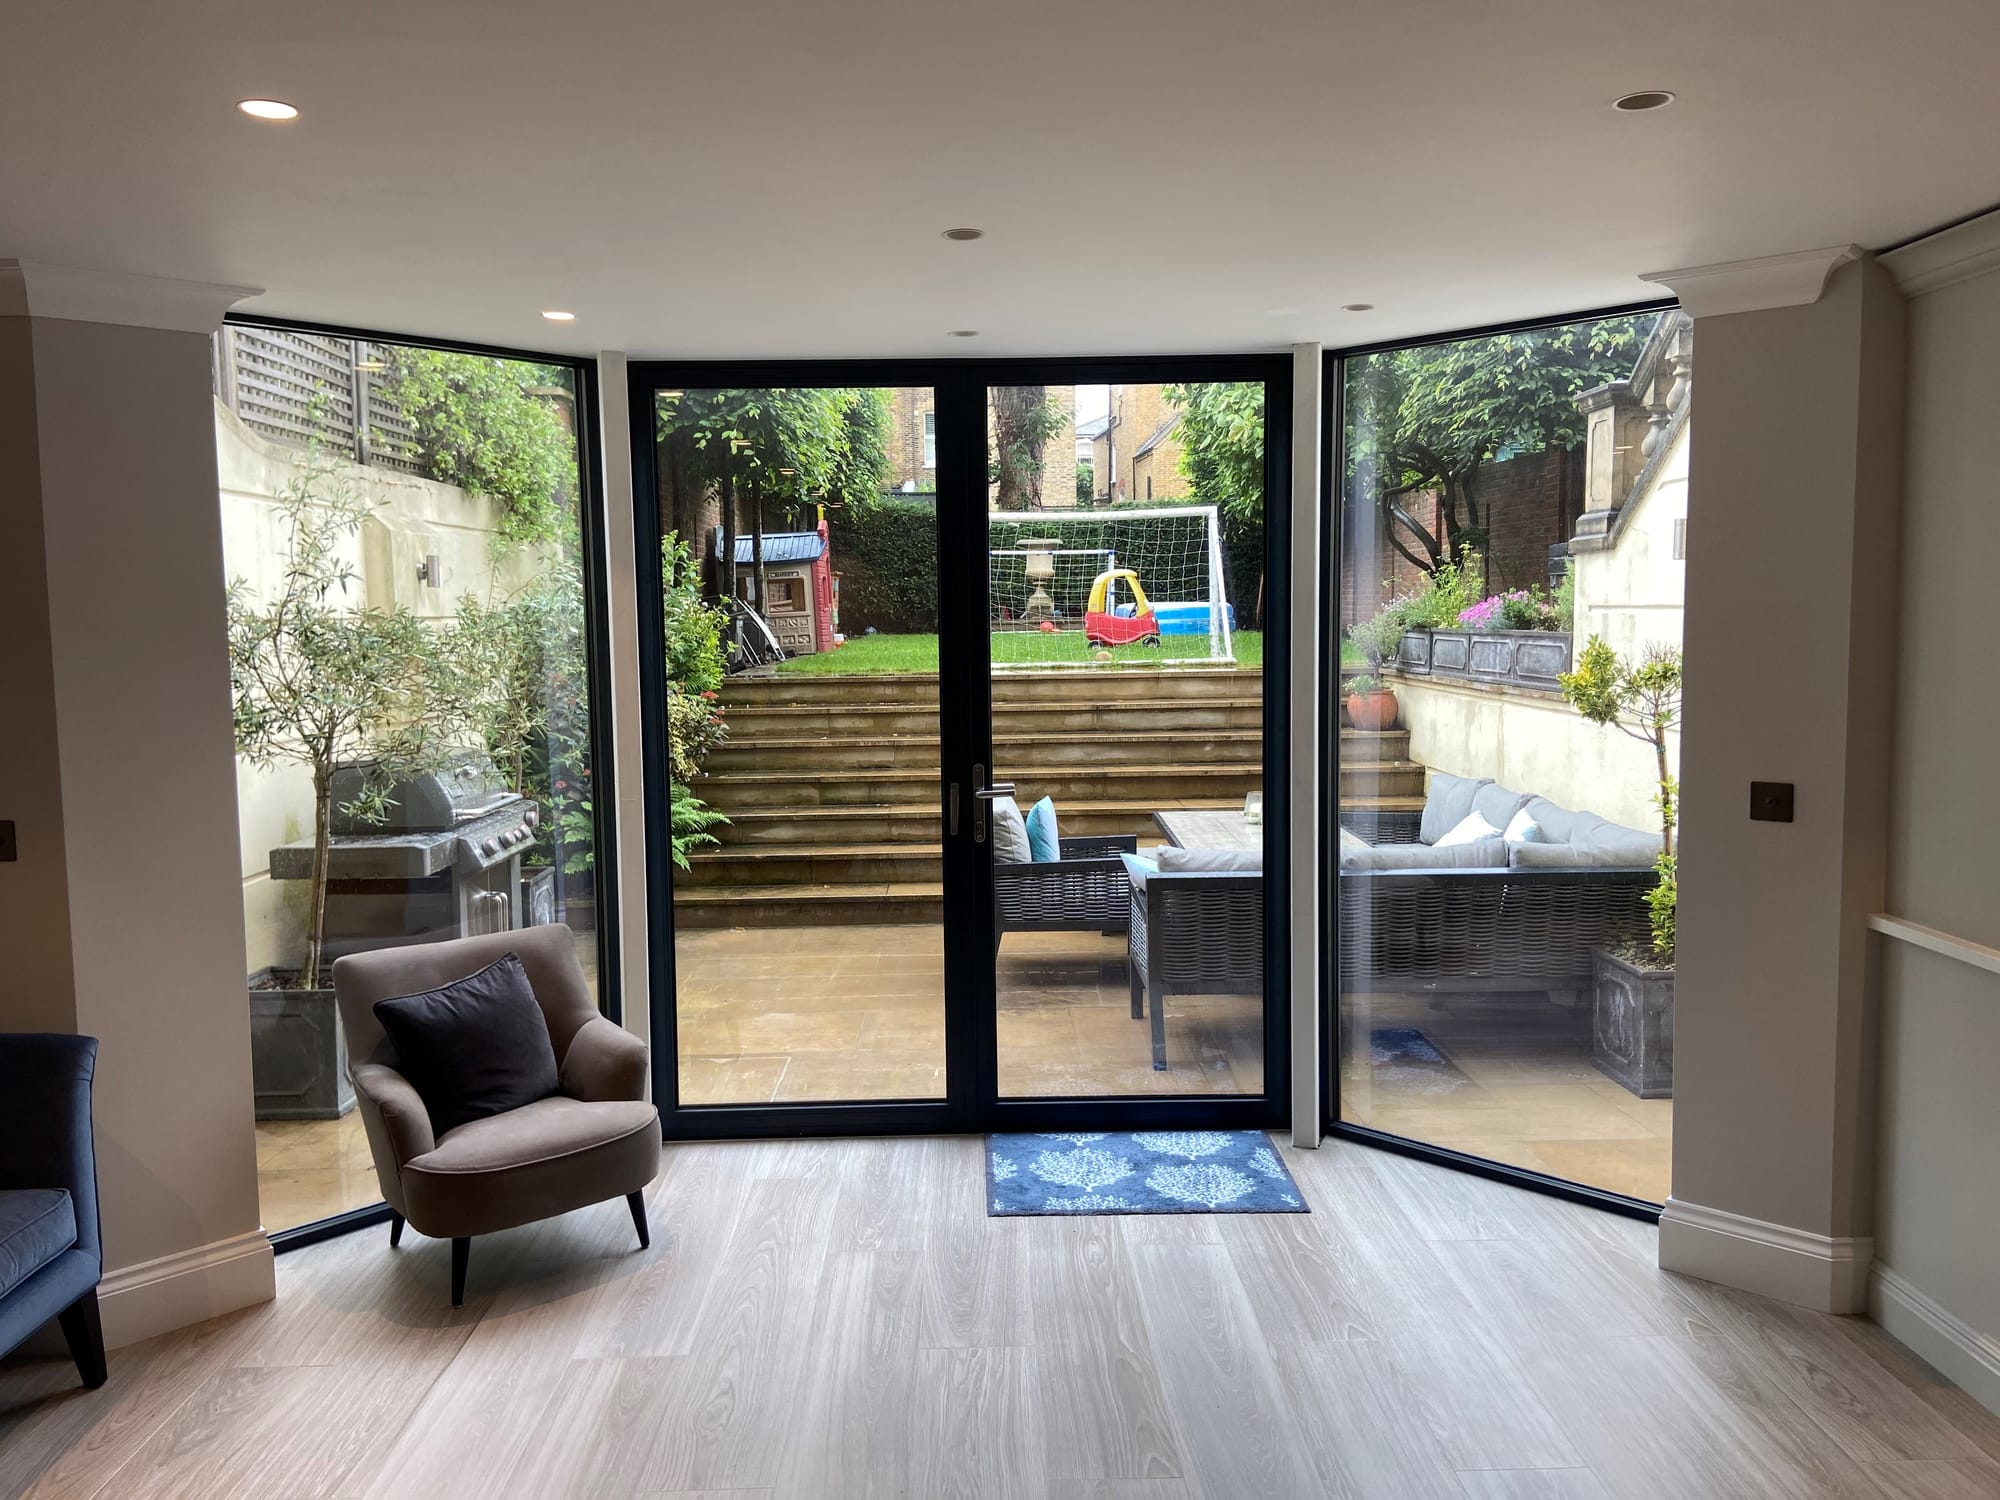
[1096, 588]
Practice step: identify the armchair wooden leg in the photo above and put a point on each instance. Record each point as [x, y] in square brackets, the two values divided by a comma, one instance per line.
[637, 1203]
[1157, 1003]
[461, 1252]
[83, 1331]
[395, 1229]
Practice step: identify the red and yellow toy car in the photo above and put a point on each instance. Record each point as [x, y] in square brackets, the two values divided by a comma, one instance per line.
[1106, 622]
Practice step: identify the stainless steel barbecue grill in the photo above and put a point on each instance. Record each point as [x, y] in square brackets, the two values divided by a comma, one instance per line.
[445, 862]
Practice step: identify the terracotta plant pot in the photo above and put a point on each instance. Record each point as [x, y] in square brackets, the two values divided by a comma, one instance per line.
[1376, 710]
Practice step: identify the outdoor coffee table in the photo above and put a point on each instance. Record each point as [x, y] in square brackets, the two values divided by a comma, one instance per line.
[1210, 828]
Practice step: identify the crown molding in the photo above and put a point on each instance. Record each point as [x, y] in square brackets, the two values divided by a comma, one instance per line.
[30, 289]
[1735, 286]
[1948, 257]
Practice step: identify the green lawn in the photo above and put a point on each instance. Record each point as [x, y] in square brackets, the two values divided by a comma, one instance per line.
[878, 655]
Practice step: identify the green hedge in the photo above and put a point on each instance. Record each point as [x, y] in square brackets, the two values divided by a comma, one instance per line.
[887, 559]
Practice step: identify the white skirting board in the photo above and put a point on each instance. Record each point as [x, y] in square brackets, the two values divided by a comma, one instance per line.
[1825, 1273]
[1958, 1351]
[156, 1296]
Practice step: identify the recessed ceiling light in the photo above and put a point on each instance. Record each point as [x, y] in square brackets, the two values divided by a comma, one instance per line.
[557, 315]
[965, 234]
[268, 109]
[964, 333]
[1643, 100]
[1357, 307]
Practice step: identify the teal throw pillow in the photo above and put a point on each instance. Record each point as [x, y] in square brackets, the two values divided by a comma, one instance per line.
[1044, 842]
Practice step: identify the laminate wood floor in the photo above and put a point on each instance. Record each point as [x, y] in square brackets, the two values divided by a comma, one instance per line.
[825, 1319]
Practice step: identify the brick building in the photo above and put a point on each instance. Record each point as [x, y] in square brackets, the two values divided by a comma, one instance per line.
[913, 445]
[1136, 453]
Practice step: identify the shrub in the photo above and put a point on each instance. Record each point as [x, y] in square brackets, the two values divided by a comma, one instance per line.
[1361, 682]
[1517, 609]
[1643, 700]
[491, 426]
[887, 558]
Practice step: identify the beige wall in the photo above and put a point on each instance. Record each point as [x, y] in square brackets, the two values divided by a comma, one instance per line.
[1632, 592]
[1531, 743]
[137, 698]
[1789, 641]
[39, 992]
[409, 519]
[1938, 1212]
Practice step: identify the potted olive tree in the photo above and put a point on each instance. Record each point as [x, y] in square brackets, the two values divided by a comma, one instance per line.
[319, 680]
[1632, 993]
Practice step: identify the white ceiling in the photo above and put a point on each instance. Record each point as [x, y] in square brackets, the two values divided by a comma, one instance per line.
[769, 177]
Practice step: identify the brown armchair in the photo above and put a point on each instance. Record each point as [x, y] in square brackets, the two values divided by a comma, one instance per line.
[596, 1140]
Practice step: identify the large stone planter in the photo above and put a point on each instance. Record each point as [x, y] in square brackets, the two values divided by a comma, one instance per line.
[1521, 658]
[298, 1053]
[1632, 1024]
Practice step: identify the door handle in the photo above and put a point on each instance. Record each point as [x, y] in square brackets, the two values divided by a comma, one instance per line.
[981, 795]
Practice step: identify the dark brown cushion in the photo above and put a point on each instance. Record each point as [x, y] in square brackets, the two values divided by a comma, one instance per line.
[475, 1047]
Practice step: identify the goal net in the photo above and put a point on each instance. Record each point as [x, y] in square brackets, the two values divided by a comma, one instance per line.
[1043, 567]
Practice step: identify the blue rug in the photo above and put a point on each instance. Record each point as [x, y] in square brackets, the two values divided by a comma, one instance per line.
[1405, 1059]
[1138, 1172]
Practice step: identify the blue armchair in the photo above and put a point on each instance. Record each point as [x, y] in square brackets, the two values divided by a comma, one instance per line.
[50, 1258]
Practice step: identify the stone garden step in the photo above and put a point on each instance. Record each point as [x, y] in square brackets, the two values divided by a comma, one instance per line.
[836, 755]
[1008, 687]
[1163, 785]
[756, 906]
[916, 823]
[758, 721]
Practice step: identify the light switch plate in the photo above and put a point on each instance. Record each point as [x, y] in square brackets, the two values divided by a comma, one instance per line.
[1770, 802]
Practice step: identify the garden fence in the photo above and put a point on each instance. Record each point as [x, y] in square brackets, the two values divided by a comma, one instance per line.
[300, 388]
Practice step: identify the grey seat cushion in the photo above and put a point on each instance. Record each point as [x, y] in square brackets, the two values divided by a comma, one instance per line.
[1351, 841]
[1479, 854]
[36, 1225]
[1613, 847]
[1446, 802]
[1238, 860]
[534, 1162]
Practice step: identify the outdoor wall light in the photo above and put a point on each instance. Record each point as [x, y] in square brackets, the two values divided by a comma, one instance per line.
[268, 109]
[557, 315]
[1643, 100]
[430, 571]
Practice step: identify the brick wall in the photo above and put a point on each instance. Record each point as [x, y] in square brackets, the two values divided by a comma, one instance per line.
[1530, 504]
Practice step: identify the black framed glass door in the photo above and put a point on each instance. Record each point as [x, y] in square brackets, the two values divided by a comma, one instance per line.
[836, 665]
[1135, 847]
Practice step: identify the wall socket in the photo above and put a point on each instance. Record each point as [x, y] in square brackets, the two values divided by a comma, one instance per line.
[1770, 802]
[9, 851]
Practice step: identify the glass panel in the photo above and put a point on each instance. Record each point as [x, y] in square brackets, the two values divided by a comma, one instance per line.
[1127, 653]
[808, 896]
[406, 622]
[1511, 602]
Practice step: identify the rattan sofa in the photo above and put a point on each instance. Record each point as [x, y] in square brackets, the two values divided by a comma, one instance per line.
[1526, 921]
[1193, 932]
[1084, 891]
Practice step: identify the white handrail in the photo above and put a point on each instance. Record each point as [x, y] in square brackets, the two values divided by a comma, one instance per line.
[1930, 938]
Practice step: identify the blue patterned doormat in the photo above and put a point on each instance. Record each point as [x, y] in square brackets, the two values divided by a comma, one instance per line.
[1138, 1172]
